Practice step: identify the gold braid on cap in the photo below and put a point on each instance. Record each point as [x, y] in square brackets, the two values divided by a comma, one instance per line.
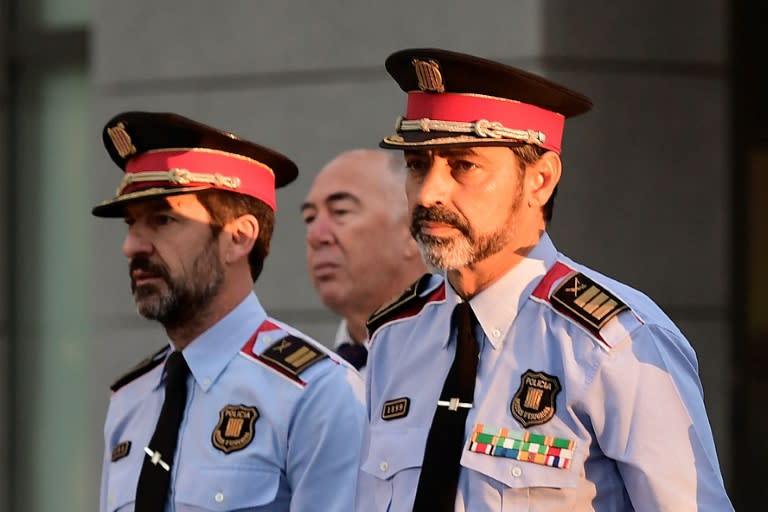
[179, 177]
[481, 128]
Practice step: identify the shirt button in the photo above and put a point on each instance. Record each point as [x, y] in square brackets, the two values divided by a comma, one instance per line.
[496, 333]
[384, 466]
[219, 497]
[516, 471]
[206, 381]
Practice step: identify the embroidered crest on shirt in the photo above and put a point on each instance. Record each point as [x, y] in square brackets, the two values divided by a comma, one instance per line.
[234, 431]
[556, 452]
[534, 402]
[587, 302]
[394, 409]
[121, 450]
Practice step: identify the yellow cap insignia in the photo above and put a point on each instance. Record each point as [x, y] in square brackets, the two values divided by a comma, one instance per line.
[121, 140]
[429, 75]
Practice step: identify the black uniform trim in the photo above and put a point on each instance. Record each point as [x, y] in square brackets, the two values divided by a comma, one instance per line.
[143, 367]
[586, 302]
[291, 356]
[409, 299]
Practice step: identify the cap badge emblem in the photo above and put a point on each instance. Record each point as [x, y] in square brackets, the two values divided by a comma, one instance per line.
[429, 75]
[121, 140]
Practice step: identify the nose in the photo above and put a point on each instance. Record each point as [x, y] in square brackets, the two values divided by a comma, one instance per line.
[432, 186]
[136, 243]
[319, 232]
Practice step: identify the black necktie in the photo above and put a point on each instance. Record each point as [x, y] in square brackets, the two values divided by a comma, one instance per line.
[439, 478]
[155, 477]
[355, 353]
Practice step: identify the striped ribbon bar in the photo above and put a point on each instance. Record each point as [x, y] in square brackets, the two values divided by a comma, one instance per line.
[524, 446]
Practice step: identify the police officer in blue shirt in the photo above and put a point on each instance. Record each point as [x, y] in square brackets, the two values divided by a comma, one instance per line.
[238, 411]
[519, 380]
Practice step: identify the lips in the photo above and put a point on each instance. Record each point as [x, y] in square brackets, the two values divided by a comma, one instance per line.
[324, 270]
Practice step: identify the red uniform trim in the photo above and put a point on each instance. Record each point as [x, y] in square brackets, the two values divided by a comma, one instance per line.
[265, 326]
[256, 179]
[557, 272]
[469, 108]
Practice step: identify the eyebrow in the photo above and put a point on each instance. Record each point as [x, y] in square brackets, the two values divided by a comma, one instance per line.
[336, 196]
[443, 153]
[154, 206]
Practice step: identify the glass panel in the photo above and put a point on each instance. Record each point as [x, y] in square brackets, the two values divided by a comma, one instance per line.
[50, 423]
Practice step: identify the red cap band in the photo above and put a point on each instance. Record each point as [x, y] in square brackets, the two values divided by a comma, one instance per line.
[469, 108]
[199, 167]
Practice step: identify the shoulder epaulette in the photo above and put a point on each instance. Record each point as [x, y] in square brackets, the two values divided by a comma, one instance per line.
[581, 299]
[408, 302]
[587, 302]
[291, 356]
[140, 369]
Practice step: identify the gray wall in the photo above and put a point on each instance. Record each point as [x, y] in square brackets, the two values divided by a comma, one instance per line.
[307, 78]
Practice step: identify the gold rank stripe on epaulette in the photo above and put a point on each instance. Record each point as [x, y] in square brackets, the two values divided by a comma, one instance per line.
[408, 302]
[587, 302]
[291, 356]
[143, 367]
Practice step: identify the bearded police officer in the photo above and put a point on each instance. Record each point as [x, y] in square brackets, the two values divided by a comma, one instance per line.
[520, 379]
[238, 411]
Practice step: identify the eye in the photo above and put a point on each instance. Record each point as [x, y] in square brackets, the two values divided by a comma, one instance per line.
[463, 165]
[161, 219]
[308, 218]
[417, 165]
[338, 212]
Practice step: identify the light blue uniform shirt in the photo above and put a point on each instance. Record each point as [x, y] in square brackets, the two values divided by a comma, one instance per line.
[303, 449]
[630, 403]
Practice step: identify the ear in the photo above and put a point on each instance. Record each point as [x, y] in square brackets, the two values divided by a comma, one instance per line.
[240, 235]
[543, 177]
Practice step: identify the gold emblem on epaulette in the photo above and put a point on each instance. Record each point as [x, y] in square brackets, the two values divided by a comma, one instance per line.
[121, 450]
[429, 75]
[397, 408]
[292, 354]
[234, 431]
[121, 140]
[586, 301]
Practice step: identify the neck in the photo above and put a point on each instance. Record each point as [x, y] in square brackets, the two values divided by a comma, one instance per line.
[357, 329]
[470, 280]
[185, 332]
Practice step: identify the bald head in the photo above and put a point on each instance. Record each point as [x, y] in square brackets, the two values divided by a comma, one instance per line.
[359, 249]
[376, 174]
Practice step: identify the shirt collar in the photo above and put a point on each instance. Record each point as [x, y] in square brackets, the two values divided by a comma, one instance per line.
[210, 353]
[343, 336]
[497, 306]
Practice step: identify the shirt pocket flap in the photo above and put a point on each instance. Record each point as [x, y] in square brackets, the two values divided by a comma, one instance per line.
[393, 450]
[228, 487]
[519, 474]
